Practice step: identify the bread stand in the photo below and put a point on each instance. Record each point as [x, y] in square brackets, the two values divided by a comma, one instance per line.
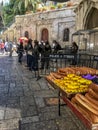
[66, 98]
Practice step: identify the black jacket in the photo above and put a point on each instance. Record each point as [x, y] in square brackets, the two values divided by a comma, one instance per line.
[20, 48]
[48, 50]
[35, 51]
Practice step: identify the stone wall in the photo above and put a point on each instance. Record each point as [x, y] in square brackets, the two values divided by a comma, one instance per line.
[86, 19]
[55, 21]
[83, 11]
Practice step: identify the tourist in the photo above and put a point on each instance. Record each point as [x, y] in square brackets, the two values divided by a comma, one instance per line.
[42, 52]
[2, 47]
[74, 50]
[56, 47]
[6, 46]
[35, 55]
[47, 52]
[20, 52]
[29, 49]
[10, 48]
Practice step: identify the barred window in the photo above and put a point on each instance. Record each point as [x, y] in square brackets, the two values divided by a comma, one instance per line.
[66, 34]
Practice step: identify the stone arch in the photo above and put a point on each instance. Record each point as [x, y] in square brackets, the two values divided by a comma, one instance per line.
[44, 34]
[91, 20]
[26, 34]
[66, 34]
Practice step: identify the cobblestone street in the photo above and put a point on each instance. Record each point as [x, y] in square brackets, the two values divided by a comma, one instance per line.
[23, 98]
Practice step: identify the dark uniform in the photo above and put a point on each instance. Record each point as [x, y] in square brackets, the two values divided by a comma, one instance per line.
[20, 52]
[47, 52]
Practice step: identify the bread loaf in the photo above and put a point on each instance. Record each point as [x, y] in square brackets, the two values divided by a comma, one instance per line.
[67, 70]
[86, 114]
[91, 99]
[62, 72]
[89, 115]
[52, 76]
[93, 118]
[89, 70]
[56, 75]
[73, 100]
[78, 70]
[93, 94]
[94, 87]
[92, 71]
[96, 72]
[89, 102]
[84, 104]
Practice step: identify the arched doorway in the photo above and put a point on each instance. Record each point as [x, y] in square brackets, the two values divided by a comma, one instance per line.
[92, 19]
[44, 34]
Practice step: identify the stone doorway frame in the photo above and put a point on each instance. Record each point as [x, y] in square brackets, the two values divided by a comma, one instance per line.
[44, 34]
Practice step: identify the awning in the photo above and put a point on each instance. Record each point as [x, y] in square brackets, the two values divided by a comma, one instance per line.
[83, 32]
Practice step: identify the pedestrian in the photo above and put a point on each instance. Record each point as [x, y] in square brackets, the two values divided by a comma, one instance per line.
[56, 47]
[6, 46]
[10, 48]
[74, 50]
[14, 48]
[47, 52]
[20, 52]
[35, 55]
[42, 52]
[2, 47]
[29, 49]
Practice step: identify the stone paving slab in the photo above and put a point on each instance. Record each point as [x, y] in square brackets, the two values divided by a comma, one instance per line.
[23, 98]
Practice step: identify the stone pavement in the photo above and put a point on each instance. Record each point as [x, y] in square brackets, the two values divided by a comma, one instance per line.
[23, 98]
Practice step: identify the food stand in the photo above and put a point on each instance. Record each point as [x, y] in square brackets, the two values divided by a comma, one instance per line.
[68, 96]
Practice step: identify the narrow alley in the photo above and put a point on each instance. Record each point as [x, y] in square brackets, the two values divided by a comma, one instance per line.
[25, 104]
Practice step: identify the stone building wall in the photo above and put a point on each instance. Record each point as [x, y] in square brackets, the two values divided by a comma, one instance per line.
[84, 11]
[54, 21]
[86, 19]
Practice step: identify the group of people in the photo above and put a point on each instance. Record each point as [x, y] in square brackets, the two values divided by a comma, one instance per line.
[36, 50]
[7, 46]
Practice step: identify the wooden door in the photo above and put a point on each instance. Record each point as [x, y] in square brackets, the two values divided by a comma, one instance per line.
[44, 35]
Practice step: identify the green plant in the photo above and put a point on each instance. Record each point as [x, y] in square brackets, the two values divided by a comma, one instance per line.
[59, 5]
[52, 7]
[44, 8]
[38, 9]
